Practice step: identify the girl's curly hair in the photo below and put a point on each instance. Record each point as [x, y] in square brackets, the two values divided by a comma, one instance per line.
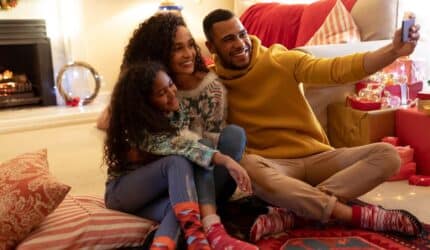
[132, 113]
[153, 40]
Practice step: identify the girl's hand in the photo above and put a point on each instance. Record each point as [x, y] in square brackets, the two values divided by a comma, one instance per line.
[236, 171]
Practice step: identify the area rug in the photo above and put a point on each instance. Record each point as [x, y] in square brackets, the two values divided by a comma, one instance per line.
[239, 215]
[337, 237]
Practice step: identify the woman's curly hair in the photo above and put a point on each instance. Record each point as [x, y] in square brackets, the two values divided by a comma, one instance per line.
[153, 40]
[132, 113]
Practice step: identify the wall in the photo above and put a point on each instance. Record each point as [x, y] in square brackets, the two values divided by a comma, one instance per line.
[97, 31]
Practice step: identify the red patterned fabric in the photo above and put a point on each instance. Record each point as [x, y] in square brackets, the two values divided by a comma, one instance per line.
[28, 194]
[338, 27]
[314, 16]
[274, 22]
[341, 236]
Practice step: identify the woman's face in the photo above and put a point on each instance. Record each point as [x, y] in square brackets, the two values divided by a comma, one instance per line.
[183, 52]
[164, 93]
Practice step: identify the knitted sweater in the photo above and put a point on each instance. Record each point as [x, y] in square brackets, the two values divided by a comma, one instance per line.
[207, 107]
[185, 143]
[265, 98]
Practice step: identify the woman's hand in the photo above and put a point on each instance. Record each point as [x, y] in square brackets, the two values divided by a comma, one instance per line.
[236, 171]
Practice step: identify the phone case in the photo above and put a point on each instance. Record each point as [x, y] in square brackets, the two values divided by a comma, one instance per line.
[406, 25]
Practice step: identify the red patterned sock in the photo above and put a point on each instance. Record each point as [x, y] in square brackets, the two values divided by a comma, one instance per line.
[380, 219]
[188, 215]
[220, 240]
[163, 243]
[277, 220]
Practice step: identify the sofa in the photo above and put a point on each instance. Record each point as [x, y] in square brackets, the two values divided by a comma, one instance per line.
[288, 23]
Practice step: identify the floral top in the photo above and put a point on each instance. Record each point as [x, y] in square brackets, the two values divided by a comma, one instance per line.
[207, 107]
[185, 143]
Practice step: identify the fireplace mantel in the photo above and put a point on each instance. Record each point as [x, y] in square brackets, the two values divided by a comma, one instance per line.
[34, 118]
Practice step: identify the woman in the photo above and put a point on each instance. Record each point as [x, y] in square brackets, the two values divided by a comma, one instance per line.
[164, 37]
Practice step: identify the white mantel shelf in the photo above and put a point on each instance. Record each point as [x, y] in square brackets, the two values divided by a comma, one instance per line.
[25, 118]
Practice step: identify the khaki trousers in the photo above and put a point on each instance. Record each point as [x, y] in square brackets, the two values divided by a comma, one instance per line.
[310, 186]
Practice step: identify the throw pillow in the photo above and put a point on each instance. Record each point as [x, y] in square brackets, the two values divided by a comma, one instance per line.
[314, 16]
[274, 22]
[28, 194]
[338, 27]
[83, 222]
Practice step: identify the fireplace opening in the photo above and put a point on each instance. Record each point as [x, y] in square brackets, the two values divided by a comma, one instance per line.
[26, 73]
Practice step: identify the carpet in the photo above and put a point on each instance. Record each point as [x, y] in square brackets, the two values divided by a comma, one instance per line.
[239, 215]
[338, 237]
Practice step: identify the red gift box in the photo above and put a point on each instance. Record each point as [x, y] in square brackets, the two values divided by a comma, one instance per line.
[406, 171]
[419, 180]
[362, 104]
[412, 128]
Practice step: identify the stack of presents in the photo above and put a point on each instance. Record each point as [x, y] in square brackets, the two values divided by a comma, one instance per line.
[389, 106]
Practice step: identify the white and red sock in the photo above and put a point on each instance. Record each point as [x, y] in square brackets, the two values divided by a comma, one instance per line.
[380, 219]
[275, 221]
[220, 240]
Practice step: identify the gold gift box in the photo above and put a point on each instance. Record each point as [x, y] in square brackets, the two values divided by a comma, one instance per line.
[348, 127]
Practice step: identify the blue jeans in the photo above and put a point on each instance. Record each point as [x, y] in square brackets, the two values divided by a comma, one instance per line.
[218, 184]
[151, 190]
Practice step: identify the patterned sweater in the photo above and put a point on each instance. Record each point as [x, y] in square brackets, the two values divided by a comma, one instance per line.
[185, 144]
[207, 107]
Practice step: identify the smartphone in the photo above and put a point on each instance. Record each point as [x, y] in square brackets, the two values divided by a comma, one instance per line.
[406, 25]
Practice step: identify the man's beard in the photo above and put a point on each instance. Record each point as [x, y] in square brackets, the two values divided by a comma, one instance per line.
[229, 65]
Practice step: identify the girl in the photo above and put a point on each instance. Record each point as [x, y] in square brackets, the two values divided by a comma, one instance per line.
[145, 114]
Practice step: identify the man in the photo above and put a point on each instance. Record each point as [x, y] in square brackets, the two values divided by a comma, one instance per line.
[289, 157]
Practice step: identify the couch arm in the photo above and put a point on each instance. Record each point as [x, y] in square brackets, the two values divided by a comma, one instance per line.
[333, 50]
[320, 96]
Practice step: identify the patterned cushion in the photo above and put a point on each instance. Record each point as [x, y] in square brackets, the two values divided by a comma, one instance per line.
[314, 16]
[83, 222]
[338, 27]
[28, 194]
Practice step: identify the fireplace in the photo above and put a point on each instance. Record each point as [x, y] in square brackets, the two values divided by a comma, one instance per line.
[26, 73]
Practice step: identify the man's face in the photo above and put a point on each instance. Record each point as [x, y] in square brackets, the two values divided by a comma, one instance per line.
[230, 41]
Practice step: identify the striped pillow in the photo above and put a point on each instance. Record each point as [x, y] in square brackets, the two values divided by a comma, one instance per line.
[83, 222]
[338, 27]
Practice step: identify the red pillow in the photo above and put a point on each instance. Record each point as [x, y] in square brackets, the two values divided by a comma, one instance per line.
[313, 17]
[274, 22]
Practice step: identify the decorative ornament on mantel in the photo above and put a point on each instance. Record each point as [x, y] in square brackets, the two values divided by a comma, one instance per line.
[73, 95]
[169, 5]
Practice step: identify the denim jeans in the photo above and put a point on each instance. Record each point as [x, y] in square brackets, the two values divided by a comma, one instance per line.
[152, 190]
[217, 184]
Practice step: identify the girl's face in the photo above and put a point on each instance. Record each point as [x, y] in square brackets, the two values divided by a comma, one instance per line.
[183, 52]
[164, 93]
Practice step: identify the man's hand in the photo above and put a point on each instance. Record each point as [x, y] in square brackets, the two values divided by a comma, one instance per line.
[406, 48]
[378, 59]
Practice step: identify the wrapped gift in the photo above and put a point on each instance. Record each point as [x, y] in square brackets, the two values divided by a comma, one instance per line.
[395, 89]
[405, 172]
[350, 127]
[413, 69]
[412, 128]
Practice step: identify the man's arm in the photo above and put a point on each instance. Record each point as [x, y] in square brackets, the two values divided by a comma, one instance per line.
[378, 59]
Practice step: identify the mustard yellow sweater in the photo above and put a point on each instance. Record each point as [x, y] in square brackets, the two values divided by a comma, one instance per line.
[266, 101]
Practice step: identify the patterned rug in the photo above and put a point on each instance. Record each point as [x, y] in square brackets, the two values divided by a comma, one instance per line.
[337, 237]
[238, 217]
